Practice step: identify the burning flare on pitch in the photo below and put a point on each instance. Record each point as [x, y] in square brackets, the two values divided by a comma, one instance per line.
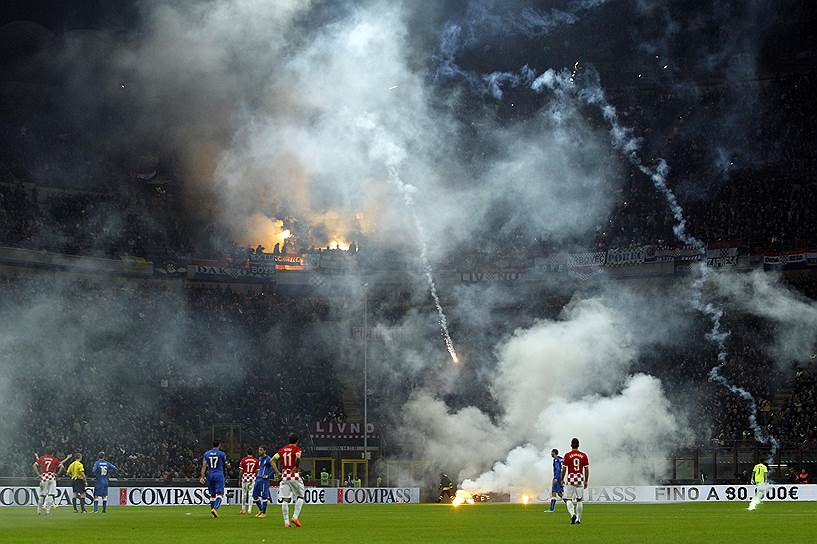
[462, 497]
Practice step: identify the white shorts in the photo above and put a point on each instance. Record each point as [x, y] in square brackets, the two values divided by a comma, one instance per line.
[573, 492]
[288, 488]
[48, 487]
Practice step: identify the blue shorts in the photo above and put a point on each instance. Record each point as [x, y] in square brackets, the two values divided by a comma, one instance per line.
[261, 489]
[557, 488]
[100, 490]
[215, 484]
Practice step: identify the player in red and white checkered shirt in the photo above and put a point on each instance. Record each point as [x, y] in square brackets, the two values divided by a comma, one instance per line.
[575, 477]
[47, 467]
[248, 466]
[291, 483]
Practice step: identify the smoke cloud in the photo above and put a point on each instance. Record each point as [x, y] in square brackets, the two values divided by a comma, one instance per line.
[762, 294]
[557, 379]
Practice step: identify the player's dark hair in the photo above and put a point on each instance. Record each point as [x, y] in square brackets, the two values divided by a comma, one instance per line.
[293, 438]
[554, 451]
[216, 443]
[574, 443]
[262, 448]
[249, 451]
[100, 455]
[49, 450]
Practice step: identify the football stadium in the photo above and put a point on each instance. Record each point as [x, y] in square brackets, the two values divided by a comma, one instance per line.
[408, 271]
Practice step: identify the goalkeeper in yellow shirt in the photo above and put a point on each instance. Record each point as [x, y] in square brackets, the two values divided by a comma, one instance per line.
[758, 479]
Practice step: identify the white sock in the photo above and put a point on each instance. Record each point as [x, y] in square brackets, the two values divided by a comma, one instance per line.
[579, 509]
[569, 505]
[285, 510]
[299, 502]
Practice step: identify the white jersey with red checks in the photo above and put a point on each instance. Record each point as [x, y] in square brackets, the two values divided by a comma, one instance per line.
[575, 461]
[248, 466]
[289, 456]
[48, 467]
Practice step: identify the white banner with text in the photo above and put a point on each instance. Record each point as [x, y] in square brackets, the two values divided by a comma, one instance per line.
[197, 496]
[685, 493]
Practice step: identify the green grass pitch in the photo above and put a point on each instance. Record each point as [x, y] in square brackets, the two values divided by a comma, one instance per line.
[694, 523]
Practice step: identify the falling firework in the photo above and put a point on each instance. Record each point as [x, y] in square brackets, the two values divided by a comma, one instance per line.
[407, 191]
[623, 139]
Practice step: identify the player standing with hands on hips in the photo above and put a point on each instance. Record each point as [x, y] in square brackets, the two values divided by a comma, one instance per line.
[47, 467]
[575, 477]
[291, 483]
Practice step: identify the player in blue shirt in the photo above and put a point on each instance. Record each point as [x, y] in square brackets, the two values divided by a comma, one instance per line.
[260, 492]
[556, 488]
[102, 471]
[212, 464]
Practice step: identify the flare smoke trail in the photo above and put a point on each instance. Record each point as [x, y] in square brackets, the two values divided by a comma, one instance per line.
[591, 93]
[392, 154]
[407, 191]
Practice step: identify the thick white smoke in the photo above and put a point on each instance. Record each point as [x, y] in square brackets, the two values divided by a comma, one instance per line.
[556, 380]
[627, 433]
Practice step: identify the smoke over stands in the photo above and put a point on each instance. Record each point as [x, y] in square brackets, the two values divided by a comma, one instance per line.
[431, 179]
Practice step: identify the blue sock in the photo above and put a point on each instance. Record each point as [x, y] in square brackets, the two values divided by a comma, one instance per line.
[552, 505]
[96, 506]
[104, 505]
[212, 504]
[218, 503]
[258, 504]
[74, 502]
[264, 506]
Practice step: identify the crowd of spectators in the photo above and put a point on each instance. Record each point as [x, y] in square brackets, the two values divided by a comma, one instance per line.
[718, 415]
[99, 224]
[756, 189]
[151, 373]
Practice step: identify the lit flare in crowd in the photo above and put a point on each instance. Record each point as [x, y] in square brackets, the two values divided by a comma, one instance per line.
[339, 243]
